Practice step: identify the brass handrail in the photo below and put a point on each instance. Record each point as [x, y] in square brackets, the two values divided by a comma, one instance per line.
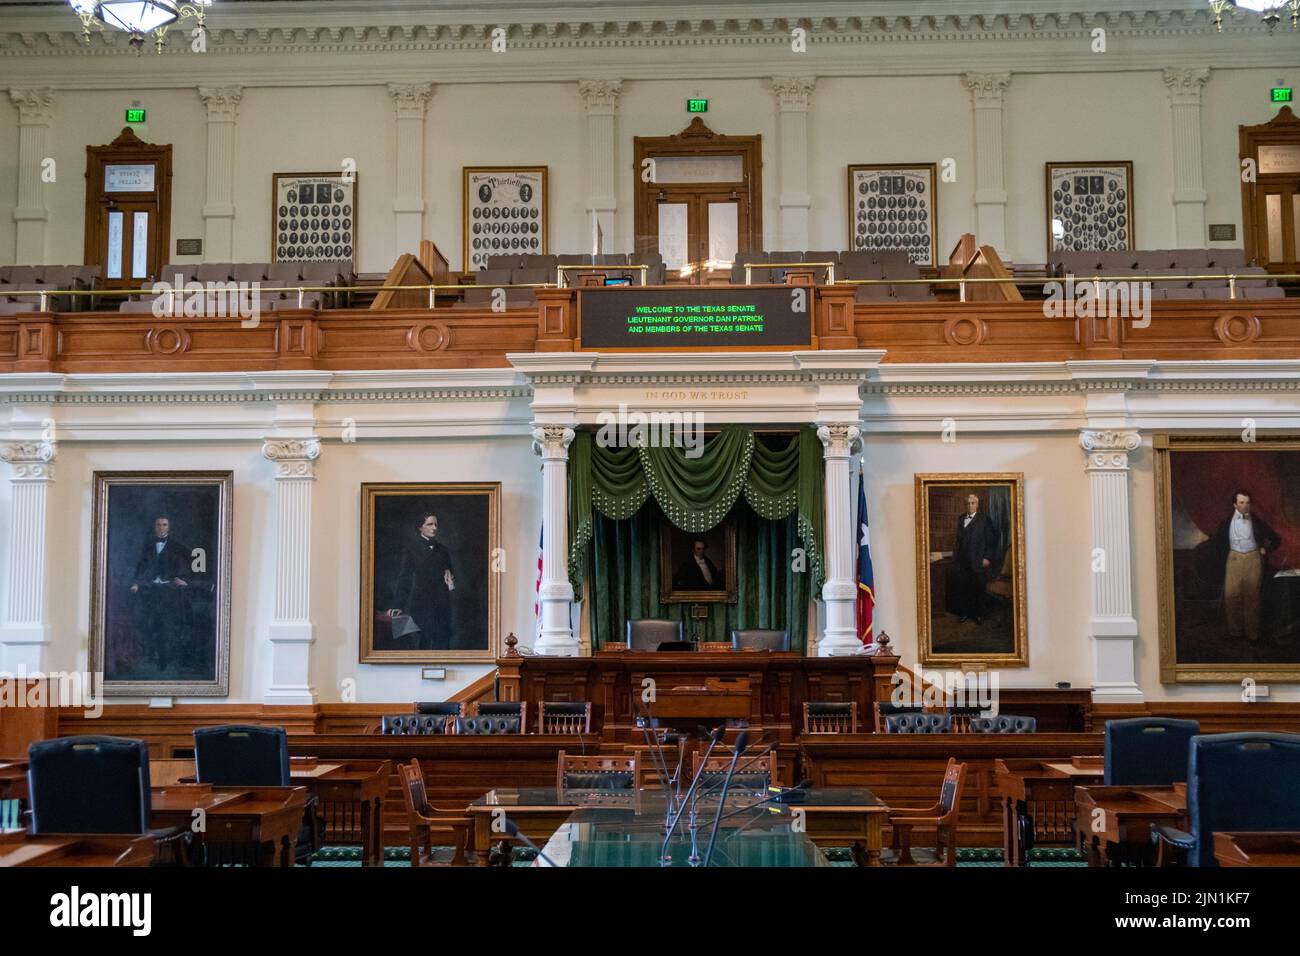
[560, 278]
[750, 266]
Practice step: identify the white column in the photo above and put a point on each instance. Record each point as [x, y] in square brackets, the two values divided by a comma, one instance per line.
[25, 633]
[557, 638]
[986, 91]
[35, 118]
[219, 210]
[410, 101]
[1113, 628]
[291, 631]
[600, 102]
[840, 591]
[794, 200]
[1189, 196]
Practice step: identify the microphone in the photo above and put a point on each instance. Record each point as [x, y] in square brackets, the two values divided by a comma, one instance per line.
[799, 789]
[513, 830]
[742, 744]
[766, 742]
[718, 733]
[648, 728]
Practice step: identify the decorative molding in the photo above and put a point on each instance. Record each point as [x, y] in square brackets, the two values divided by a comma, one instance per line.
[222, 102]
[838, 439]
[293, 457]
[35, 106]
[551, 442]
[986, 89]
[1185, 85]
[1108, 449]
[410, 100]
[600, 96]
[793, 93]
[30, 460]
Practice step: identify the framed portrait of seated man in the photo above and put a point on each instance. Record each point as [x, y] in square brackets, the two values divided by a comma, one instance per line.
[1228, 547]
[697, 568]
[160, 583]
[970, 569]
[431, 566]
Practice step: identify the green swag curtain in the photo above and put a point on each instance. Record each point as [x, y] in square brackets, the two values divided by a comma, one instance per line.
[783, 492]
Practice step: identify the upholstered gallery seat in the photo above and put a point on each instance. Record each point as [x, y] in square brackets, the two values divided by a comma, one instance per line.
[918, 723]
[486, 725]
[415, 724]
[1003, 724]
[1147, 751]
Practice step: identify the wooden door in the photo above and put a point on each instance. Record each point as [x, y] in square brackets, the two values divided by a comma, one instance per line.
[1277, 233]
[128, 210]
[699, 228]
[1271, 200]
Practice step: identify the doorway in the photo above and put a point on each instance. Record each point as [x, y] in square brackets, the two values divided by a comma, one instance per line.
[128, 210]
[1271, 204]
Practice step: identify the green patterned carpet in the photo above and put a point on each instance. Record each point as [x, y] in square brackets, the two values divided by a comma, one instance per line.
[838, 856]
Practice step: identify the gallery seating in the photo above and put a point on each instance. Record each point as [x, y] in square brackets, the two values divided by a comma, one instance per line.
[918, 723]
[1003, 724]
[942, 818]
[271, 275]
[1235, 782]
[1174, 268]
[1147, 751]
[564, 717]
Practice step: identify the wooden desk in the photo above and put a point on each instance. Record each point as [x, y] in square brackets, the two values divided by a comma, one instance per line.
[79, 849]
[1257, 849]
[1114, 823]
[1041, 792]
[351, 798]
[256, 826]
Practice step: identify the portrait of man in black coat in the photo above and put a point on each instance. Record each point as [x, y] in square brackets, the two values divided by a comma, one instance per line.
[423, 587]
[698, 572]
[974, 554]
[1238, 551]
[158, 588]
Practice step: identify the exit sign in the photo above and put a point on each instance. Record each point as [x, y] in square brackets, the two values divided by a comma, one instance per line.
[1281, 94]
[135, 116]
[697, 106]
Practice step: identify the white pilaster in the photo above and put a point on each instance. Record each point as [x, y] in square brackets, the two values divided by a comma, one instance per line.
[840, 590]
[291, 632]
[219, 211]
[25, 632]
[1189, 196]
[986, 93]
[410, 101]
[1113, 628]
[35, 119]
[551, 442]
[793, 94]
[600, 103]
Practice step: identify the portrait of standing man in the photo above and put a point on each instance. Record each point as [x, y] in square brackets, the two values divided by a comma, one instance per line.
[977, 547]
[1242, 541]
[422, 590]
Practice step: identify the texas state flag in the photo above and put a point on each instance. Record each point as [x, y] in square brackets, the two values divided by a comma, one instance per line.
[866, 577]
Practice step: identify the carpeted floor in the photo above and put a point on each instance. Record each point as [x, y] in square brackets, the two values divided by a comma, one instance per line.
[837, 856]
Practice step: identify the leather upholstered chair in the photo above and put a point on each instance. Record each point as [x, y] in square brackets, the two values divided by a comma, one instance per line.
[756, 639]
[1148, 751]
[251, 756]
[830, 717]
[89, 785]
[1003, 724]
[564, 717]
[486, 725]
[918, 723]
[425, 820]
[885, 709]
[596, 772]
[414, 724]
[504, 708]
[1234, 782]
[754, 773]
[445, 708]
[647, 635]
[942, 818]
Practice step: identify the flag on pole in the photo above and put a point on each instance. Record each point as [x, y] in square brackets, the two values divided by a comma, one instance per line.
[866, 576]
[537, 595]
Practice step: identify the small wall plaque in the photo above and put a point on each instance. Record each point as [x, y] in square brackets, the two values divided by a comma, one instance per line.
[1223, 232]
[189, 247]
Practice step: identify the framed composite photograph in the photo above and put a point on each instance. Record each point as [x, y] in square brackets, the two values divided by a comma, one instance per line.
[160, 583]
[505, 213]
[1228, 546]
[970, 569]
[697, 568]
[314, 217]
[1090, 207]
[893, 208]
[431, 566]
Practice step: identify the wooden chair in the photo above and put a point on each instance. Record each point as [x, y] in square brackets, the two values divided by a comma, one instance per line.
[830, 717]
[564, 717]
[884, 709]
[752, 772]
[596, 772]
[423, 823]
[504, 708]
[942, 817]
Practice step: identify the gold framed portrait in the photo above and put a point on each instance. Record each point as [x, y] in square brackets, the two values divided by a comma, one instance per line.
[970, 569]
[697, 568]
[431, 565]
[1228, 547]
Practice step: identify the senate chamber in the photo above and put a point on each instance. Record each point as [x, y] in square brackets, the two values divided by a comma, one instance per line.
[753, 435]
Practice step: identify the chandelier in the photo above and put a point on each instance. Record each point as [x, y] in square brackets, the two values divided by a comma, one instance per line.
[139, 18]
[1270, 11]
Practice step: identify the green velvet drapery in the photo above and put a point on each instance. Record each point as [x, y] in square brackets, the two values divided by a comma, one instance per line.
[623, 578]
[782, 485]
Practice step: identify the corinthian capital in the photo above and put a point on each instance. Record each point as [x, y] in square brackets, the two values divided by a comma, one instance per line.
[552, 441]
[838, 439]
[222, 102]
[600, 96]
[793, 92]
[986, 89]
[1184, 85]
[410, 99]
[293, 457]
[34, 106]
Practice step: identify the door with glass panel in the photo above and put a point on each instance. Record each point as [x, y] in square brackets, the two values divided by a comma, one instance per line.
[128, 210]
[698, 230]
[1277, 234]
[1271, 197]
